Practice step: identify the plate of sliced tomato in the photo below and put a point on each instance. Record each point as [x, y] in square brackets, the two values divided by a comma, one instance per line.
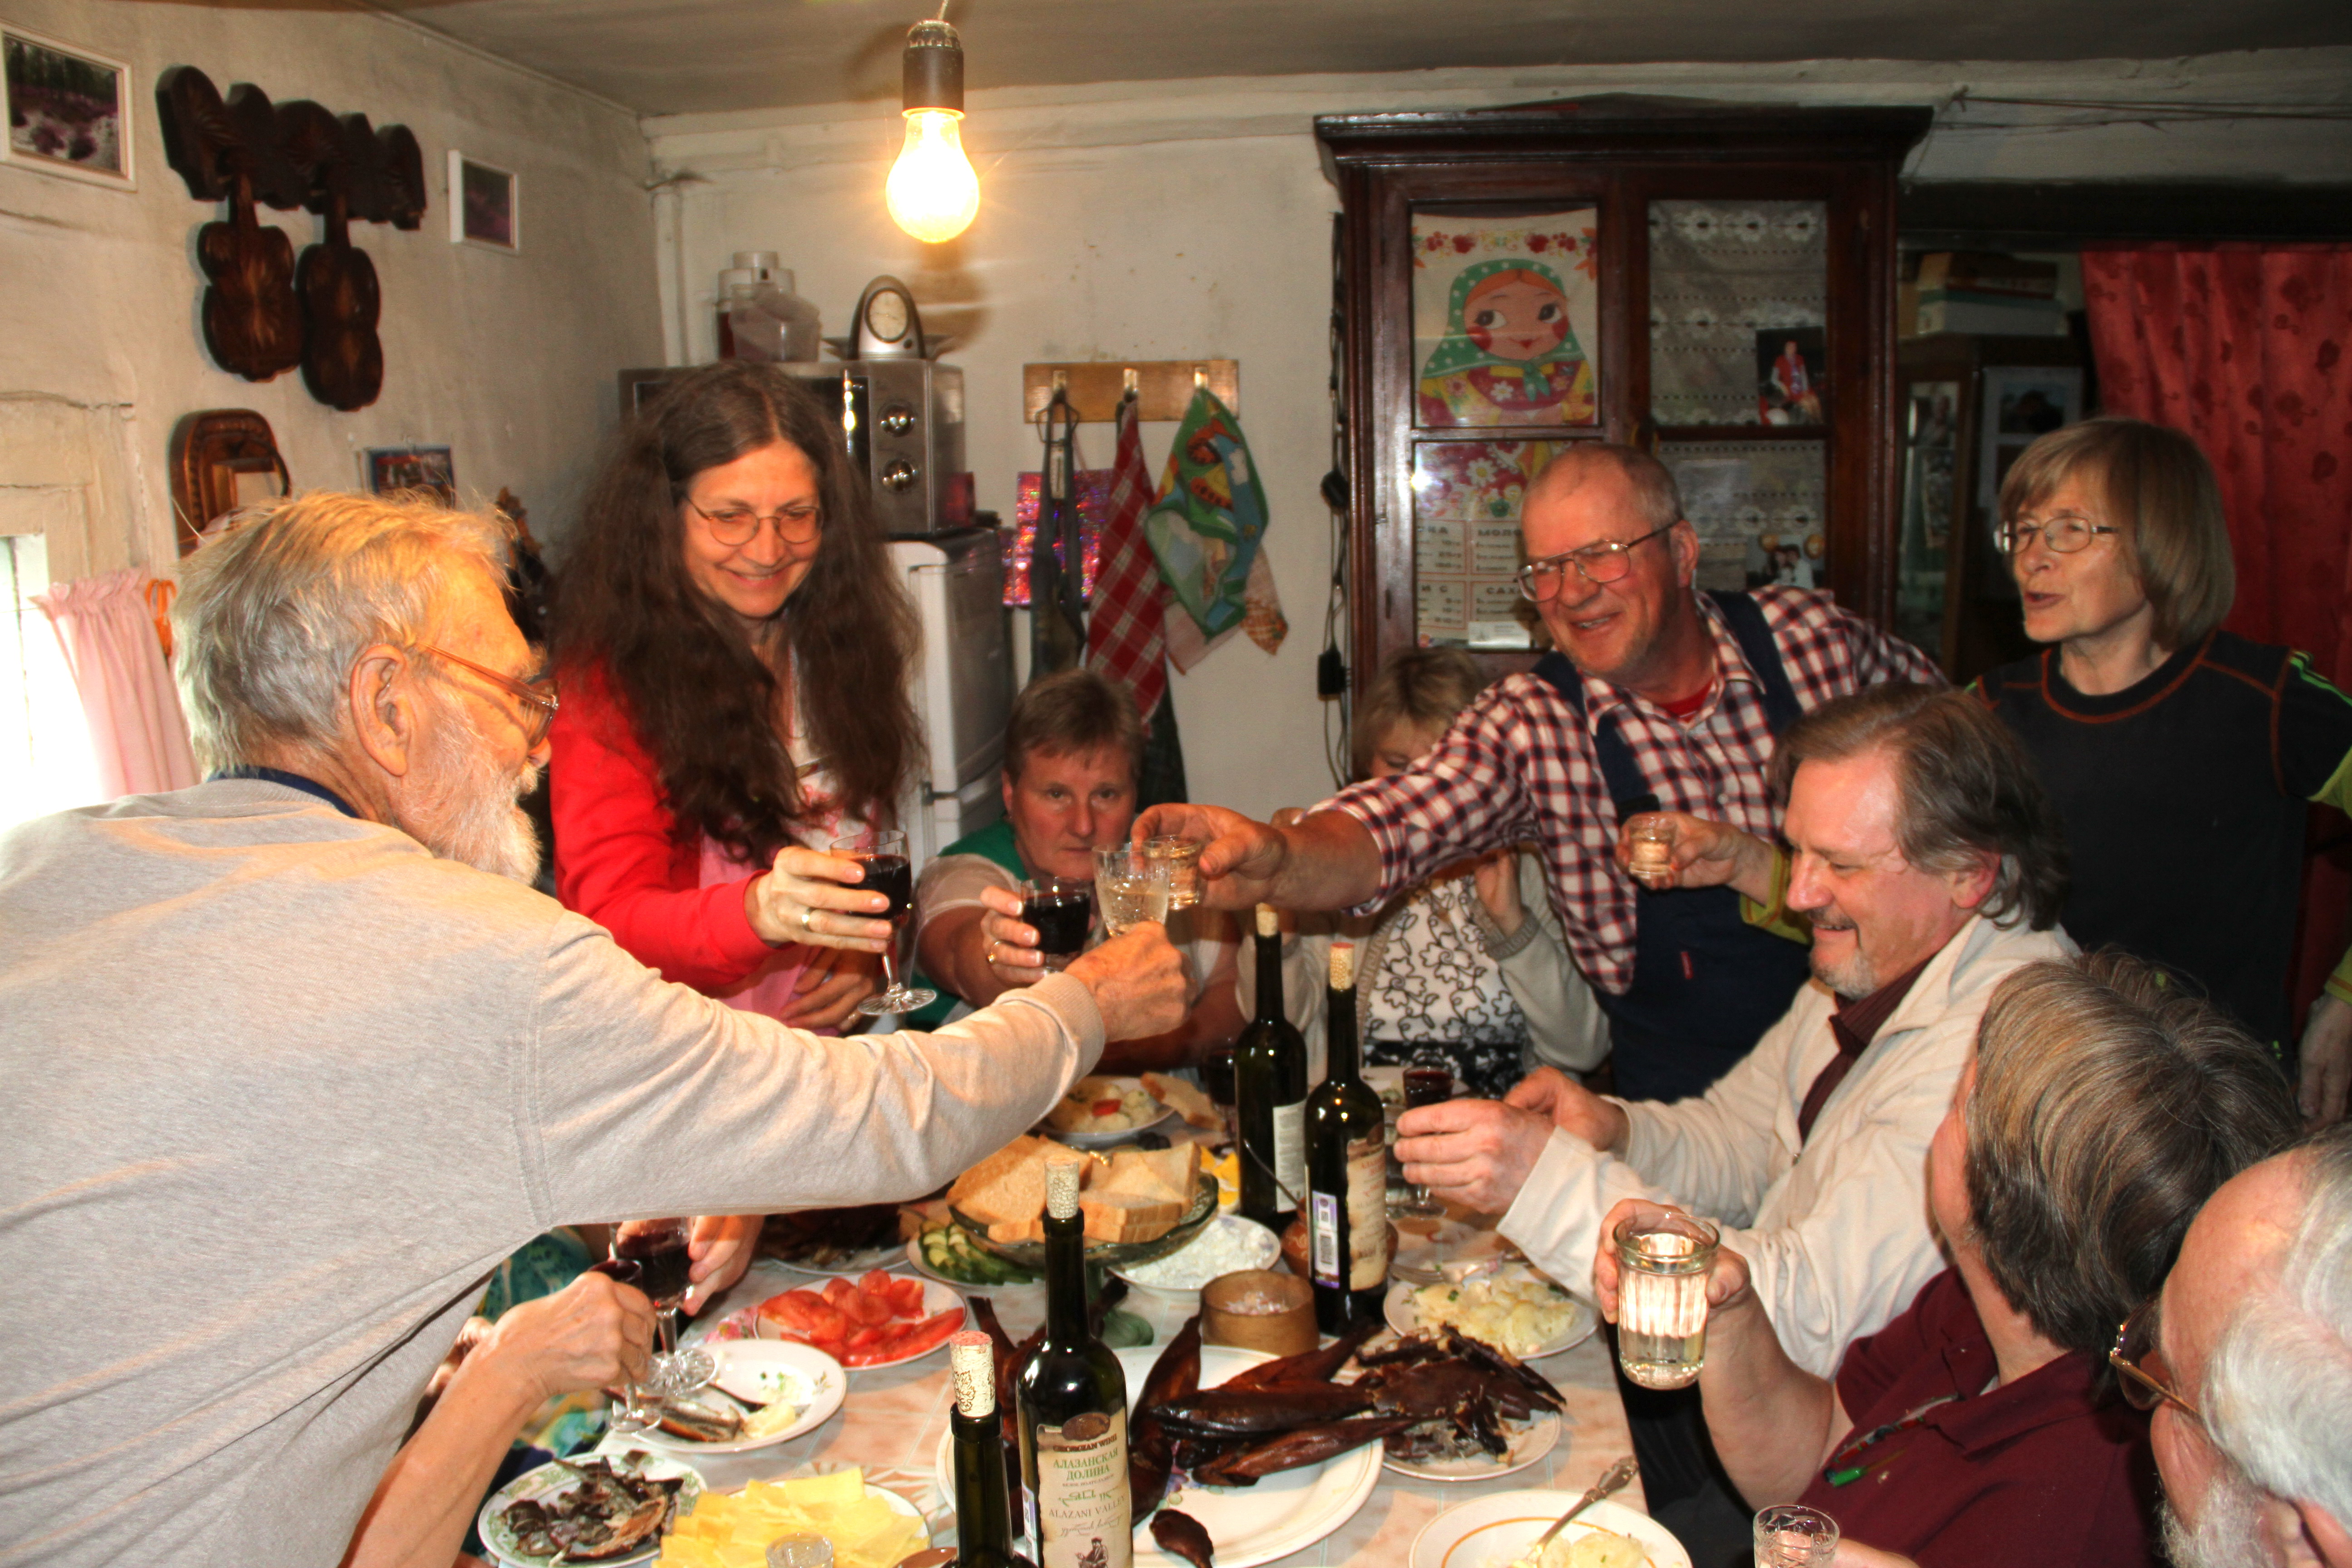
[880, 1320]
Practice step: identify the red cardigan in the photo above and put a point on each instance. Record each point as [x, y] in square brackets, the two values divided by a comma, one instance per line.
[623, 858]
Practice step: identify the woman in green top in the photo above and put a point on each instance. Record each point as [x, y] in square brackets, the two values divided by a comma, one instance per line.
[1073, 747]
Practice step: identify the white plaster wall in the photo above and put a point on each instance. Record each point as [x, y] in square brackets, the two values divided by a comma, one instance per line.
[1171, 220]
[508, 359]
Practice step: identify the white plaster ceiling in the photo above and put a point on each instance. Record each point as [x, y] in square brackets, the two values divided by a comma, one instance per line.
[673, 57]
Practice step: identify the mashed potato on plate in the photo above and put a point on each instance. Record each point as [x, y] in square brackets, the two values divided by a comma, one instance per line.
[1513, 1307]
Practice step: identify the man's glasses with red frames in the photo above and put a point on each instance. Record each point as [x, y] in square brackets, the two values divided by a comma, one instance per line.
[538, 695]
[2139, 1360]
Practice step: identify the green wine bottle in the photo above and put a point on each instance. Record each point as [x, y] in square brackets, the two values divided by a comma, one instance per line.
[1270, 1094]
[983, 1510]
[1073, 1408]
[1347, 1242]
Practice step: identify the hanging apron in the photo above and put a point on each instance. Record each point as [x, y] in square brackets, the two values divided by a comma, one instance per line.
[1706, 985]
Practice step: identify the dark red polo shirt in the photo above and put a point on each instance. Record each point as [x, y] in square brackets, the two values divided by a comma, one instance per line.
[2032, 1471]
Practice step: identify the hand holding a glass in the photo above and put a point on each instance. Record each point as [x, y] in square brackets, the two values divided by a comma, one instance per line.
[1663, 849]
[1659, 1274]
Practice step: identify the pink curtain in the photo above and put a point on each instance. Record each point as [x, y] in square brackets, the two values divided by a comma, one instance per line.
[136, 731]
[2243, 347]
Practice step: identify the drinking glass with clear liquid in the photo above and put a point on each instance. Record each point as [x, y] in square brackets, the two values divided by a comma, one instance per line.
[1653, 855]
[1663, 1264]
[1130, 885]
[1789, 1535]
[1182, 858]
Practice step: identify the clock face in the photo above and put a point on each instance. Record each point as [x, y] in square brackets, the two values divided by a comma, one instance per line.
[886, 316]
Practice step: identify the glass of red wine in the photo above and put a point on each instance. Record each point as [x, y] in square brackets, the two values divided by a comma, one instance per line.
[1428, 1080]
[891, 874]
[651, 1254]
[1062, 910]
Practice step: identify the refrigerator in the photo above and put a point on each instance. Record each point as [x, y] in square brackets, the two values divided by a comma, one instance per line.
[961, 685]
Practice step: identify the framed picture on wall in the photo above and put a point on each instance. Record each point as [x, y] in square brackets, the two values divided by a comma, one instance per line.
[2021, 403]
[1505, 318]
[69, 110]
[387, 469]
[485, 207]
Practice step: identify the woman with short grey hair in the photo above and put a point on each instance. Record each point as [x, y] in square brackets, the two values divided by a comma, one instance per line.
[2101, 1110]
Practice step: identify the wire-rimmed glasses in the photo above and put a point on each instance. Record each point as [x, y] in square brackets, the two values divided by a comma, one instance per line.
[537, 694]
[2146, 1382]
[740, 525]
[1607, 562]
[2063, 534]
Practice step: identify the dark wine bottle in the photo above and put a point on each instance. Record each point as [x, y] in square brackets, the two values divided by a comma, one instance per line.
[1073, 1409]
[1270, 1094]
[983, 1510]
[1348, 1243]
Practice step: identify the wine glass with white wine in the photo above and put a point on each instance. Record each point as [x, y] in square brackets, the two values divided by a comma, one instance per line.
[1131, 885]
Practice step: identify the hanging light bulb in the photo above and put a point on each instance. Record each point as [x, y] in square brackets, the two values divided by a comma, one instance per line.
[932, 191]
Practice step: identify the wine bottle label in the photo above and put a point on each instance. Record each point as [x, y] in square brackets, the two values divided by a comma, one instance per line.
[1323, 1237]
[1081, 1517]
[1290, 1151]
[1368, 1214]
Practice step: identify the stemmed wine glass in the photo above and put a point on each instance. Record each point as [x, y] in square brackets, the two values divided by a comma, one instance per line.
[652, 1256]
[891, 873]
[1428, 1080]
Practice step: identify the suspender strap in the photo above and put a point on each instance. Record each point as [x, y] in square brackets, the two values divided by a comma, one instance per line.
[1762, 654]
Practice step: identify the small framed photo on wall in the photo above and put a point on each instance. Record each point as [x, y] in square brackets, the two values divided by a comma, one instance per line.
[485, 209]
[69, 110]
[1505, 318]
[429, 470]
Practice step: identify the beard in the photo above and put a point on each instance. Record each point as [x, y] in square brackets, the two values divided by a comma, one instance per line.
[1853, 979]
[467, 812]
[2229, 1529]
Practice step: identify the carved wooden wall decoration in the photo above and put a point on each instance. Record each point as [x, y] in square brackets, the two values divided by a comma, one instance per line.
[210, 451]
[262, 315]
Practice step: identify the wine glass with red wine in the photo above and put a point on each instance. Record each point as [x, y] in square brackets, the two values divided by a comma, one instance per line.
[1062, 910]
[1428, 1080]
[891, 874]
[651, 1254]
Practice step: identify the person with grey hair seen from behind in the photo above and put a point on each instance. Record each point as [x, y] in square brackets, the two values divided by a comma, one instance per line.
[1658, 696]
[2246, 1362]
[2099, 1112]
[300, 1063]
[1929, 862]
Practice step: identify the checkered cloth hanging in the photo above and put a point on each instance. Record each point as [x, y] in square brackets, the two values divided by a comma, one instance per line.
[1125, 637]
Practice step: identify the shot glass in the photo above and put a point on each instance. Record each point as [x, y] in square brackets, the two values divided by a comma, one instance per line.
[1663, 1265]
[1653, 855]
[1791, 1536]
[1182, 858]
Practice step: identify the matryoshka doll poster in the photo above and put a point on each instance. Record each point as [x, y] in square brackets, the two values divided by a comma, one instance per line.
[1505, 320]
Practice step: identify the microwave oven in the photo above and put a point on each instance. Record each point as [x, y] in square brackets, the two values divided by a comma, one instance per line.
[901, 423]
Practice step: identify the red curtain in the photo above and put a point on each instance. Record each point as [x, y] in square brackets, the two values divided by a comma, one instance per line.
[2243, 347]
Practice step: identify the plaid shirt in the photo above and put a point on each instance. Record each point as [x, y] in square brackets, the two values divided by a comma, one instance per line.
[1518, 767]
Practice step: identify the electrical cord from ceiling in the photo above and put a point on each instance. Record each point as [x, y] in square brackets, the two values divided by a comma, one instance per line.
[1331, 664]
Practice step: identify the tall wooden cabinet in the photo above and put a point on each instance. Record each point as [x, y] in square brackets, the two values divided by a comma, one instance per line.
[1714, 280]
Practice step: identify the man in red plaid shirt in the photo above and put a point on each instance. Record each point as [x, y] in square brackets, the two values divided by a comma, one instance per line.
[1671, 704]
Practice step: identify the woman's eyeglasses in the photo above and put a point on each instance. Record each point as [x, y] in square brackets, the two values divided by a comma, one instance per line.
[741, 525]
[538, 695]
[2137, 1356]
[2063, 534]
[1607, 562]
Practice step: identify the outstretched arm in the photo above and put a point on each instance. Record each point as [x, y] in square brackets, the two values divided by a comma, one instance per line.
[1325, 861]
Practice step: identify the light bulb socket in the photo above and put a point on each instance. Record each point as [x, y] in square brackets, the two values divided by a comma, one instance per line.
[931, 69]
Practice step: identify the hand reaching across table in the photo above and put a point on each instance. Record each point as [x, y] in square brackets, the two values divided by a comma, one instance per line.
[1137, 980]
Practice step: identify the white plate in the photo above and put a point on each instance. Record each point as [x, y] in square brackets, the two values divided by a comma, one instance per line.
[552, 1477]
[1284, 1513]
[937, 1298]
[1264, 1246]
[863, 1260]
[760, 1371]
[1494, 1530]
[1108, 1140]
[1404, 1318]
[1531, 1443]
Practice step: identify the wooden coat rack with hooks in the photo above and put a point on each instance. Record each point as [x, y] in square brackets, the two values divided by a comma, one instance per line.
[1093, 388]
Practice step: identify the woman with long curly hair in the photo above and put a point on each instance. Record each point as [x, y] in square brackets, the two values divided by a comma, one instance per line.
[733, 651]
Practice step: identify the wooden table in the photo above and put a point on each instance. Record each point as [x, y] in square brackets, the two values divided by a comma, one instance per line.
[893, 1420]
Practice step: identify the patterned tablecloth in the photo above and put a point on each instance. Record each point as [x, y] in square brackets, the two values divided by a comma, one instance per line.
[892, 1422]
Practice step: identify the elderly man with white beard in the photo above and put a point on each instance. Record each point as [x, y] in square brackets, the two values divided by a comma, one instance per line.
[293, 1063]
[1931, 866]
[2246, 1361]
